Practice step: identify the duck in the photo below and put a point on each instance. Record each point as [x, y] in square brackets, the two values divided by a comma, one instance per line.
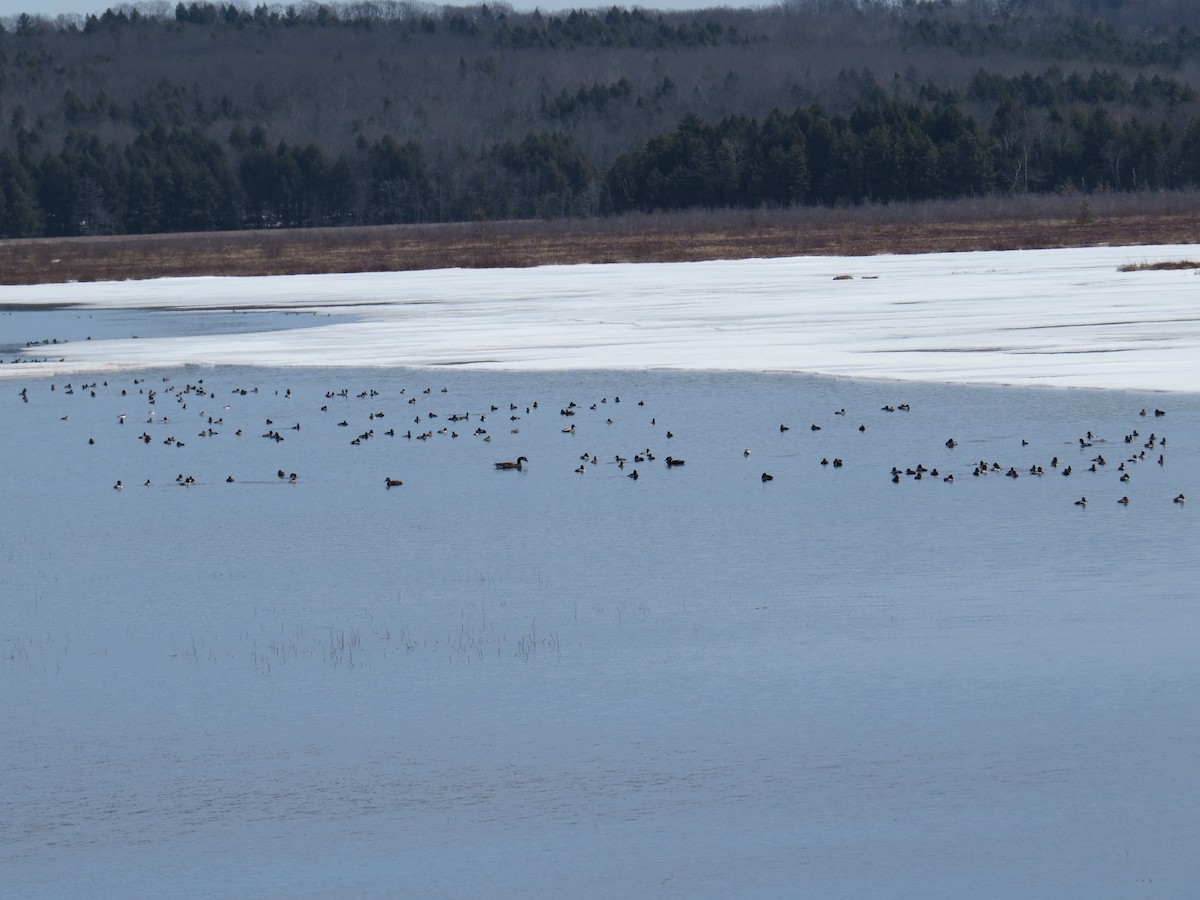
[633, 475]
[672, 462]
[118, 486]
[514, 464]
[1179, 499]
[766, 476]
[1124, 501]
[1082, 501]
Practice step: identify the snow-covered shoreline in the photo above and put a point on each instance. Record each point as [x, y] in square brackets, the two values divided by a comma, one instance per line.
[1064, 318]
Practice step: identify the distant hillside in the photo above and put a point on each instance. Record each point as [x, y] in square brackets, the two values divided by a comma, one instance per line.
[203, 116]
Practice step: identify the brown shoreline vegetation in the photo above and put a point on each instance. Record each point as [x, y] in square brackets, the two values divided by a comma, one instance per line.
[985, 224]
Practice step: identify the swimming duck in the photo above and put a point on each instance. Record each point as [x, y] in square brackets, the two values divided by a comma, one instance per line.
[1082, 501]
[515, 464]
[1179, 499]
[1124, 501]
[767, 477]
[672, 462]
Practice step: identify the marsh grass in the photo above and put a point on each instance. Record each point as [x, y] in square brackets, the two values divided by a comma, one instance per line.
[1159, 266]
[691, 235]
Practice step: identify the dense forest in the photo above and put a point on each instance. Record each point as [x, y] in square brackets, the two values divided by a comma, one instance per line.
[201, 116]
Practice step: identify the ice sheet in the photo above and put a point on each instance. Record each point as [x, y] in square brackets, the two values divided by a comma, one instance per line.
[1066, 318]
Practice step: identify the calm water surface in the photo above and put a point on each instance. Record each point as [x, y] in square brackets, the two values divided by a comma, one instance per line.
[553, 683]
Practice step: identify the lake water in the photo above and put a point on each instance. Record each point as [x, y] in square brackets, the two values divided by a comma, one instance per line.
[547, 683]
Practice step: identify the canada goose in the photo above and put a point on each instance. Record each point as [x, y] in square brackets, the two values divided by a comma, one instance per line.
[515, 464]
[393, 482]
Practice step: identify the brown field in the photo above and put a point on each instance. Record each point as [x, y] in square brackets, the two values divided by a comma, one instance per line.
[719, 234]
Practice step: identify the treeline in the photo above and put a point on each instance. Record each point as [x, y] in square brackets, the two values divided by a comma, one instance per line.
[178, 179]
[204, 116]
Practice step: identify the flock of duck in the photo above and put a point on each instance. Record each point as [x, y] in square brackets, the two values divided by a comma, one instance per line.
[149, 401]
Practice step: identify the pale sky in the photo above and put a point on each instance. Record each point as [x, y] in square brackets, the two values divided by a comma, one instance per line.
[9, 8]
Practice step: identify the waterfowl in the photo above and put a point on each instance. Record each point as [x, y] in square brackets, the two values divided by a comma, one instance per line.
[1179, 499]
[745, 453]
[767, 477]
[633, 475]
[1124, 501]
[229, 479]
[951, 443]
[118, 486]
[672, 462]
[514, 464]
[1082, 501]
[393, 482]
